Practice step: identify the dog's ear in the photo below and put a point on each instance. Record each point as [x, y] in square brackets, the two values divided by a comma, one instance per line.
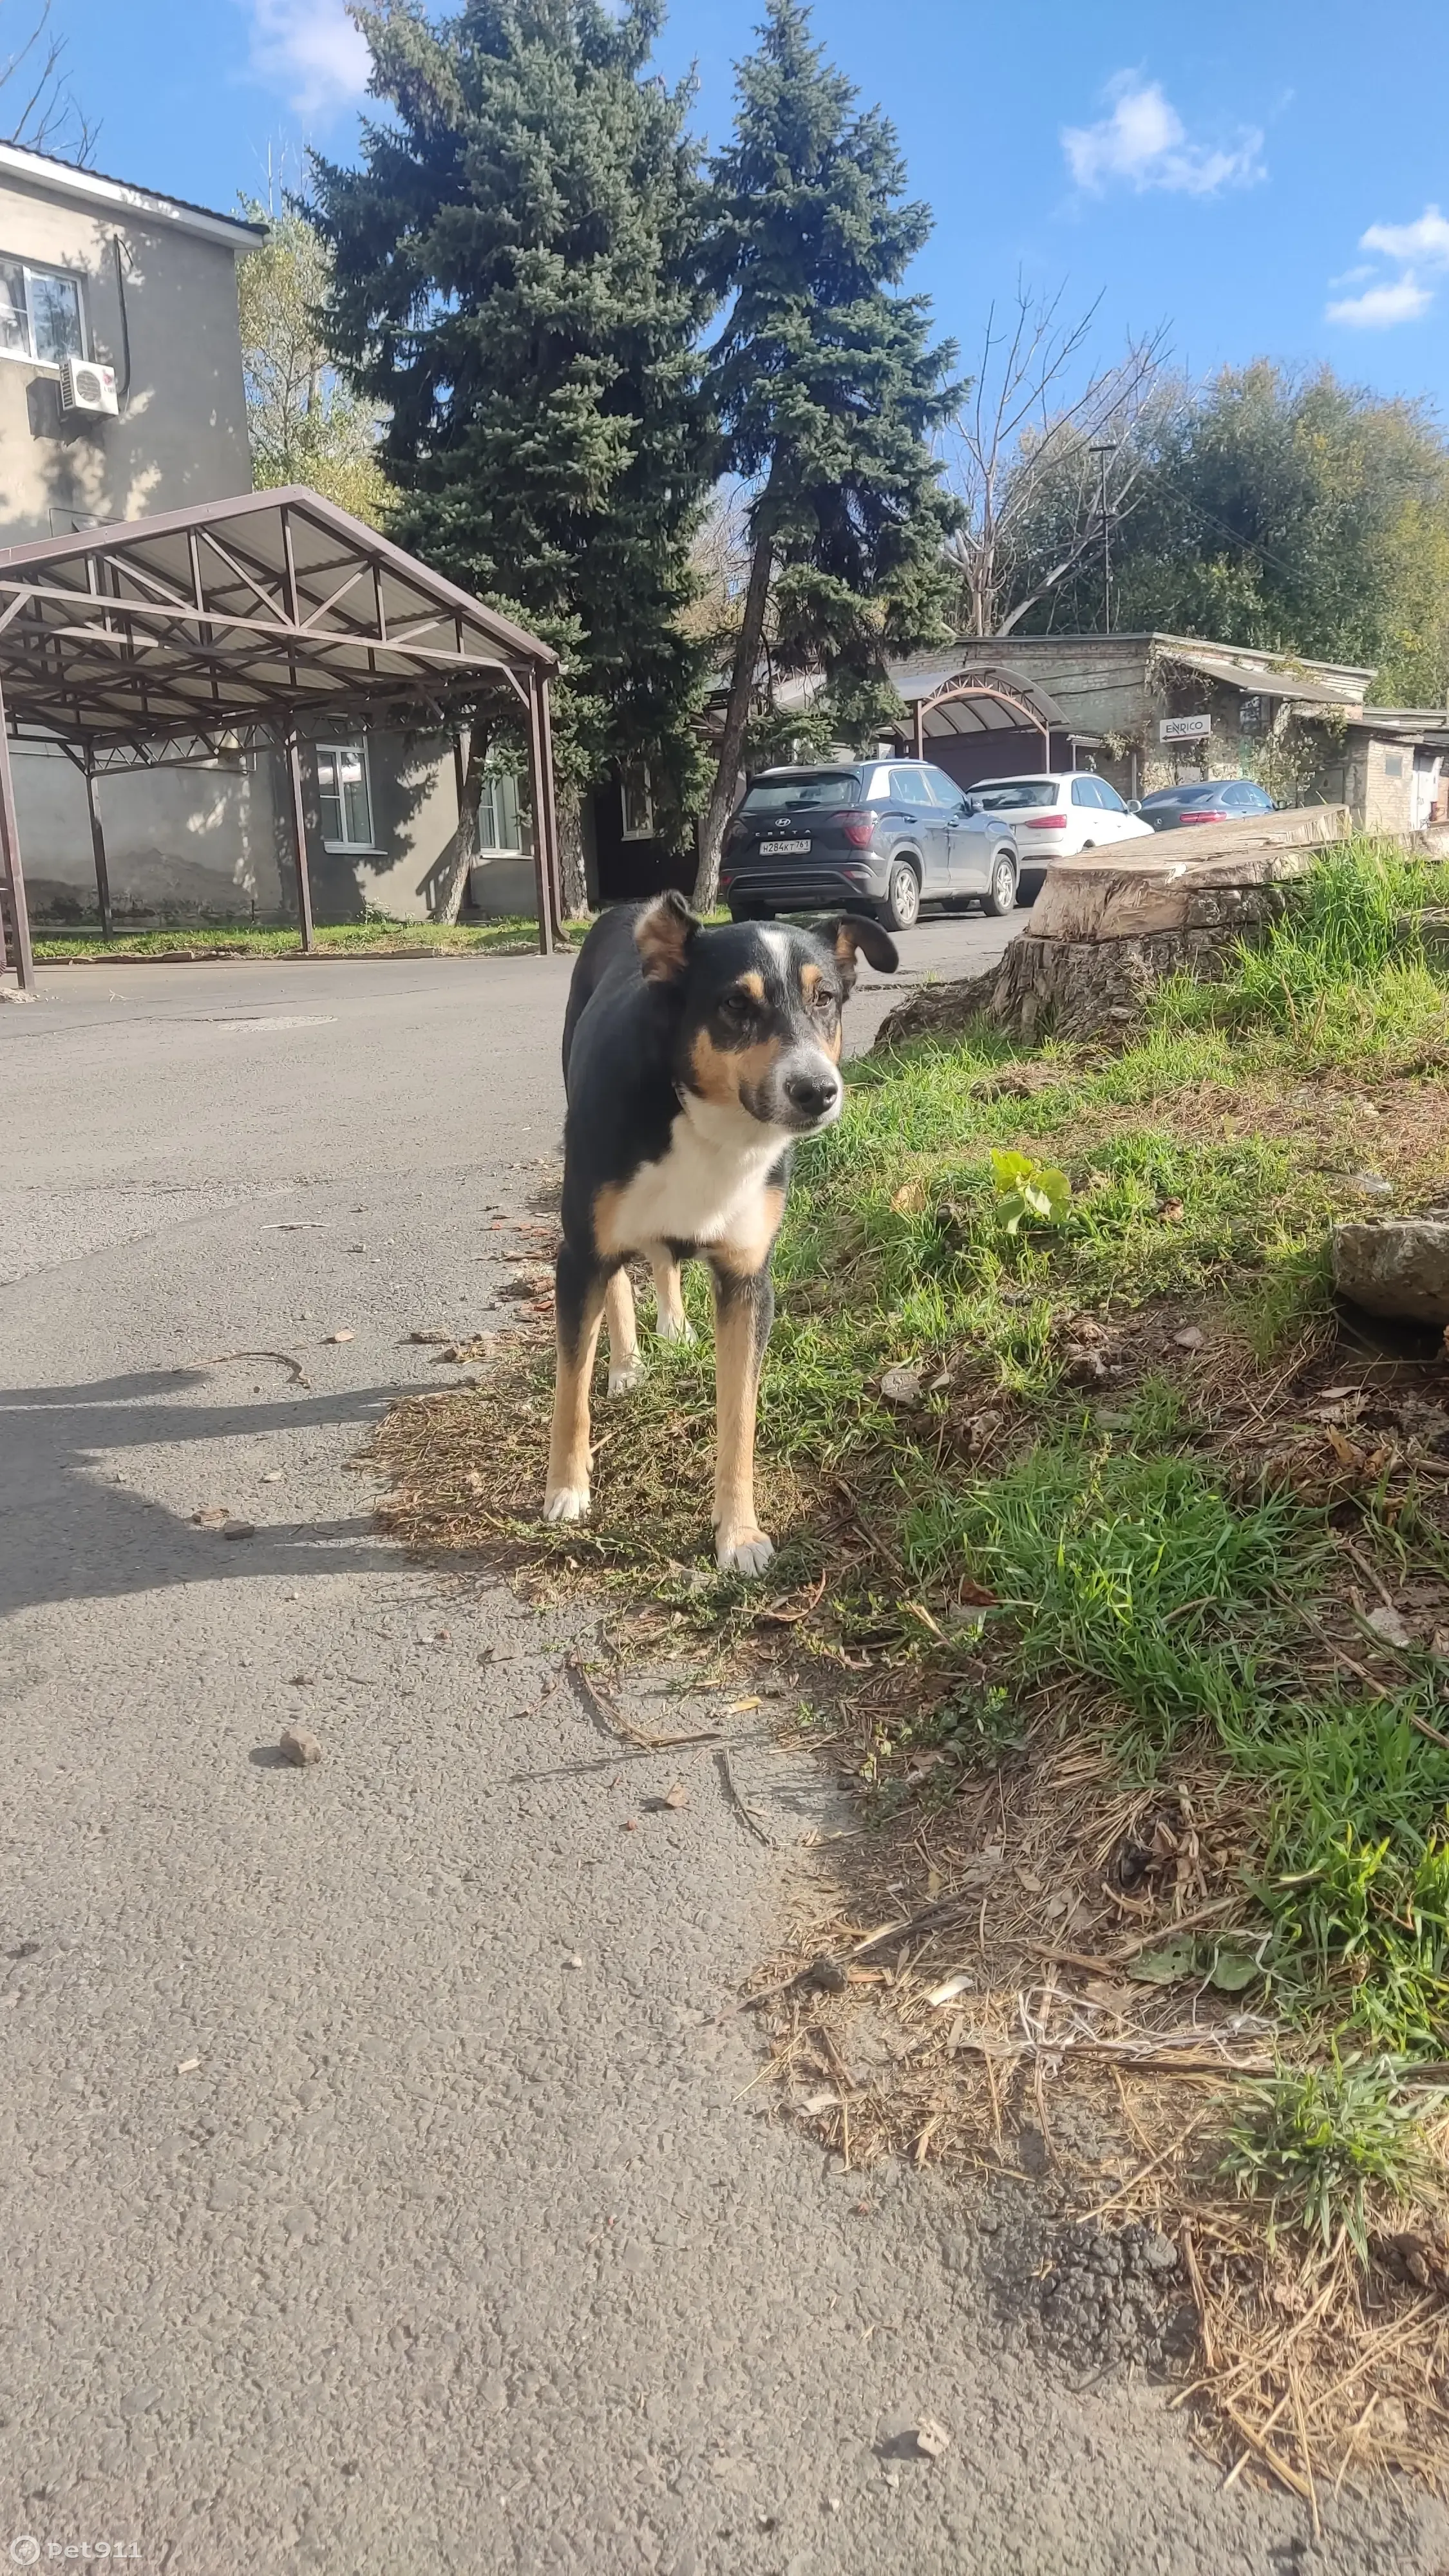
[853, 934]
[664, 936]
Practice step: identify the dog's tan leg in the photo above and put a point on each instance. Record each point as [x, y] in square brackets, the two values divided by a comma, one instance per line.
[671, 1322]
[580, 1309]
[626, 1369]
[743, 1311]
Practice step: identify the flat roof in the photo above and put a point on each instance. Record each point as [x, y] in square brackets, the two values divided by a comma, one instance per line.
[243, 615]
[119, 196]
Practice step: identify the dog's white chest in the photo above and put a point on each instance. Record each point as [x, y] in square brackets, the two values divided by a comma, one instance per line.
[704, 1189]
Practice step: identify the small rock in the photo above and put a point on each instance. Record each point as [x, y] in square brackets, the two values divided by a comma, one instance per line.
[1190, 1339]
[345, 1335]
[901, 1386]
[932, 2439]
[298, 1745]
[678, 1796]
[1372, 1184]
[239, 1529]
[272, 1476]
[573, 1960]
[215, 1516]
[1399, 1267]
[1391, 1625]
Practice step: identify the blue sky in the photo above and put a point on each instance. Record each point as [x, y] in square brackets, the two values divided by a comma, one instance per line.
[1260, 176]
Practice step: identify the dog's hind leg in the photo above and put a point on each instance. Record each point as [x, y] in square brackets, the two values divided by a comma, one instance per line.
[580, 1291]
[744, 1309]
[671, 1322]
[626, 1369]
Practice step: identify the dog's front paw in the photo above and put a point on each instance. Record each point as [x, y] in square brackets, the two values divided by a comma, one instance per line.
[742, 1551]
[567, 1503]
[622, 1381]
[672, 1329]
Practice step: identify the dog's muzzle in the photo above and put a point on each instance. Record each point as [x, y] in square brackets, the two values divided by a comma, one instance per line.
[810, 1092]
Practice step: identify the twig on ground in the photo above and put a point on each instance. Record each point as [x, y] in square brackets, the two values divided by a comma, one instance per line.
[744, 1810]
[283, 1359]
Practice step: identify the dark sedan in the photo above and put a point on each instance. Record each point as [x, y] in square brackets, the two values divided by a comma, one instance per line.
[1213, 800]
[881, 836]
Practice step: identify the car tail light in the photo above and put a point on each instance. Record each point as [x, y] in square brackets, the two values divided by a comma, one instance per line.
[859, 829]
[1046, 823]
[1206, 814]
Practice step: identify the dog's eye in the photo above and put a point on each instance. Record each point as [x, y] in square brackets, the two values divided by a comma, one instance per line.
[822, 1004]
[738, 1008]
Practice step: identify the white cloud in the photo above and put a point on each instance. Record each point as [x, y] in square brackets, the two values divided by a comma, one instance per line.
[1423, 244]
[1143, 143]
[1403, 299]
[312, 49]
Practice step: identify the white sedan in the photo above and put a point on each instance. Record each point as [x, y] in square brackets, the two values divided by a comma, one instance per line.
[1055, 817]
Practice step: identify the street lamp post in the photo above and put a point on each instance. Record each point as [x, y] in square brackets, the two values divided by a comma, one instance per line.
[1102, 450]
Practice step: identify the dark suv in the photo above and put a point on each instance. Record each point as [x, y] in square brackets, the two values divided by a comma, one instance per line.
[882, 836]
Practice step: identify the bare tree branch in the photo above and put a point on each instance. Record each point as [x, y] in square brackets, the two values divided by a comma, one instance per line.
[38, 107]
[1019, 455]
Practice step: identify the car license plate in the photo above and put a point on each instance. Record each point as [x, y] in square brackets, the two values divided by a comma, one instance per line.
[783, 849]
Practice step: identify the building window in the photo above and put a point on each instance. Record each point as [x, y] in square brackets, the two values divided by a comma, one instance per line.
[636, 793]
[1252, 714]
[346, 796]
[498, 817]
[40, 314]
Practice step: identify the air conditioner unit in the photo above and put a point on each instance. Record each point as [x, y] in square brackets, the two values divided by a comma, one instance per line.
[86, 387]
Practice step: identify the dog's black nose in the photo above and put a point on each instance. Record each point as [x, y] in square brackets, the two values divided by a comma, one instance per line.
[812, 1093]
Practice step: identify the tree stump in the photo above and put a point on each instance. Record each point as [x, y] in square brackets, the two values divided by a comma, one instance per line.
[1108, 926]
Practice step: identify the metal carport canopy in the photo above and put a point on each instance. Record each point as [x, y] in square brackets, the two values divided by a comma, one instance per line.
[212, 628]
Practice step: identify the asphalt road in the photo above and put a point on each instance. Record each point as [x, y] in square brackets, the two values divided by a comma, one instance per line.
[377, 2195]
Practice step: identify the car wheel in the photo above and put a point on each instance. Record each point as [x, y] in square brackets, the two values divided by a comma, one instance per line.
[901, 908]
[1001, 893]
[1029, 887]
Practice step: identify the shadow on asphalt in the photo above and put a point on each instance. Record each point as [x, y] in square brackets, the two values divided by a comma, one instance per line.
[73, 1534]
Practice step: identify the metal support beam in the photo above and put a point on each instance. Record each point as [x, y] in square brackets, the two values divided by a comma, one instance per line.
[12, 877]
[299, 841]
[98, 847]
[555, 874]
[920, 729]
[540, 806]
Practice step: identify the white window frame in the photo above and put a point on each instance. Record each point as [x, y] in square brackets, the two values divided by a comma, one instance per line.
[36, 268]
[336, 751]
[638, 800]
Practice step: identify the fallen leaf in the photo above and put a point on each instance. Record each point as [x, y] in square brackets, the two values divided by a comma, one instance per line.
[741, 1707]
[961, 1984]
[815, 2103]
[1028, 1879]
[1164, 1967]
[676, 1797]
[1189, 1340]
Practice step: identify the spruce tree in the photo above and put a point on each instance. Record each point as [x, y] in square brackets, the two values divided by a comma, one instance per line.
[826, 386]
[516, 286]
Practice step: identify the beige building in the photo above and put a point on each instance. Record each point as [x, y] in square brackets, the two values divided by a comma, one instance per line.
[1155, 710]
[121, 395]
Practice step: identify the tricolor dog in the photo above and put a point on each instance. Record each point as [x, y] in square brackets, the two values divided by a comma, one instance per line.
[694, 1060]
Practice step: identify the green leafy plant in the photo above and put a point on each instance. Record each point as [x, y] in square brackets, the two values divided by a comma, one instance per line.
[1316, 2140]
[1027, 1189]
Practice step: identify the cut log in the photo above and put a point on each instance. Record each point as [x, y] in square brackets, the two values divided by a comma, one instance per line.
[1109, 926]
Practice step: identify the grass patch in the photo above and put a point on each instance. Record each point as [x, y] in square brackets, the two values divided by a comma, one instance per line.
[377, 936]
[1086, 1601]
